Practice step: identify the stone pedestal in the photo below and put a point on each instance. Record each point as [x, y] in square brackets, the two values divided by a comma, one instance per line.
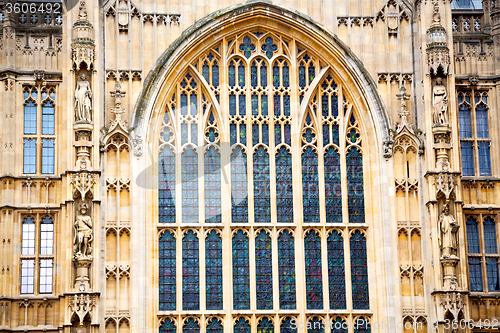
[449, 272]
[82, 273]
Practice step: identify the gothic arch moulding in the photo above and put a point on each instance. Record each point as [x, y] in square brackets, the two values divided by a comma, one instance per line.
[254, 15]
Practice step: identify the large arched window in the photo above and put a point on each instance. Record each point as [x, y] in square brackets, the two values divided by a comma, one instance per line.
[261, 166]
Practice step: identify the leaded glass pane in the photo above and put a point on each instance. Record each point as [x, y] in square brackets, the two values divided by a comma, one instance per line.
[483, 151]
[333, 189]
[464, 116]
[167, 271]
[286, 270]
[310, 189]
[315, 325]
[241, 272]
[265, 326]
[361, 325]
[336, 271]
[239, 192]
[355, 192]
[30, 117]
[48, 156]
[47, 236]
[492, 274]
[214, 326]
[284, 188]
[264, 271]
[29, 156]
[189, 186]
[475, 274]
[490, 236]
[166, 186]
[190, 272]
[191, 326]
[27, 276]
[472, 236]
[242, 326]
[28, 239]
[288, 325]
[168, 326]
[314, 284]
[212, 186]
[482, 121]
[467, 159]
[48, 118]
[339, 326]
[261, 186]
[359, 272]
[46, 273]
[213, 264]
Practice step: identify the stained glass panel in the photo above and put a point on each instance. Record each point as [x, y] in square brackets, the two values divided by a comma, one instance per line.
[355, 192]
[166, 186]
[333, 189]
[310, 189]
[336, 271]
[191, 326]
[213, 264]
[284, 188]
[288, 325]
[189, 186]
[212, 186]
[242, 326]
[339, 326]
[359, 272]
[265, 326]
[190, 272]
[286, 270]
[261, 186]
[167, 271]
[264, 271]
[241, 271]
[214, 326]
[239, 192]
[168, 326]
[315, 325]
[314, 284]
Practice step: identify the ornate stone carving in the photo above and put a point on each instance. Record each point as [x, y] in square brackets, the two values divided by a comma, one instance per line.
[83, 235]
[82, 44]
[445, 184]
[438, 55]
[83, 100]
[117, 110]
[81, 305]
[137, 144]
[39, 75]
[448, 228]
[440, 103]
[452, 302]
[83, 182]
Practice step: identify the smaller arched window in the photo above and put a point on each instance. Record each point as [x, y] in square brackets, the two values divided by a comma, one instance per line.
[314, 284]
[213, 264]
[359, 272]
[261, 186]
[336, 271]
[214, 326]
[28, 243]
[168, 326]
[212, 186]
[265, 326]
[190, 272]
[286, 269]
[241, 271]
[167, 271]
[338, 326]
[288, 325]
[189, 186]
[310, 188]
[284, 188]
[239, 189]
[264, 269]
[315, 325]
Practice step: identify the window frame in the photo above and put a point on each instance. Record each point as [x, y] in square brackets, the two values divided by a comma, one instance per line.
[37, 255]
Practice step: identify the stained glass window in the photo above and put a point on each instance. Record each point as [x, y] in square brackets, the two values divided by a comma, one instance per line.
[314, 284]
[336, 271]
[242, 326]
[167, 271]
[359, 271]
[190, 272]
[310, 191]
[191, 326]
[168, 326]
[288, 325]
[166, 186]
[265, 326]
[241, 271]
[264, 271]
[213, 264]
[472, 236]
[212, 186]
[490, 236]
[286, 270]
[214, 326]
[333, 191]
[261, 186]
[362, 325]
[338, 326]
[189, 186]
[315, 325]
[239, 193]
[284, 189]
[355, 192]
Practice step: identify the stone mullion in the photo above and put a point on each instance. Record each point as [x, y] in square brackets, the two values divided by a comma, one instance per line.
[271, 92]
[202, 271]
[252, 270]
[200, 149]
[324, 269]
[321, 160]
[347, 255]
[343, 123]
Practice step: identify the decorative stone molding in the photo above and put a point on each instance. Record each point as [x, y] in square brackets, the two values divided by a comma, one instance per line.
[82, 44]
[83, 183]
[82, 304]
[137, 145]
[453, 302]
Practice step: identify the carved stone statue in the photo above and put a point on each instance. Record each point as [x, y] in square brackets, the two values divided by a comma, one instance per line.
[440, 103]
[83, 234]
[83, 102]
[448, 228]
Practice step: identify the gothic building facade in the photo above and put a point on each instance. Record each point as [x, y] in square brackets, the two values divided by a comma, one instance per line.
[216, 166]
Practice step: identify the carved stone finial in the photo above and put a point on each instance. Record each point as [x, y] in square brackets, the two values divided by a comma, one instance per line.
[403, 97]
[82, 14]
[118, 94]
[436, 16]
[81, 305]
[388, 147]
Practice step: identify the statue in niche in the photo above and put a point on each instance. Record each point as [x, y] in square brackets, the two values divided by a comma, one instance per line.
[448, 228]
[83, 234]
[440, 103]
[83, 102]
